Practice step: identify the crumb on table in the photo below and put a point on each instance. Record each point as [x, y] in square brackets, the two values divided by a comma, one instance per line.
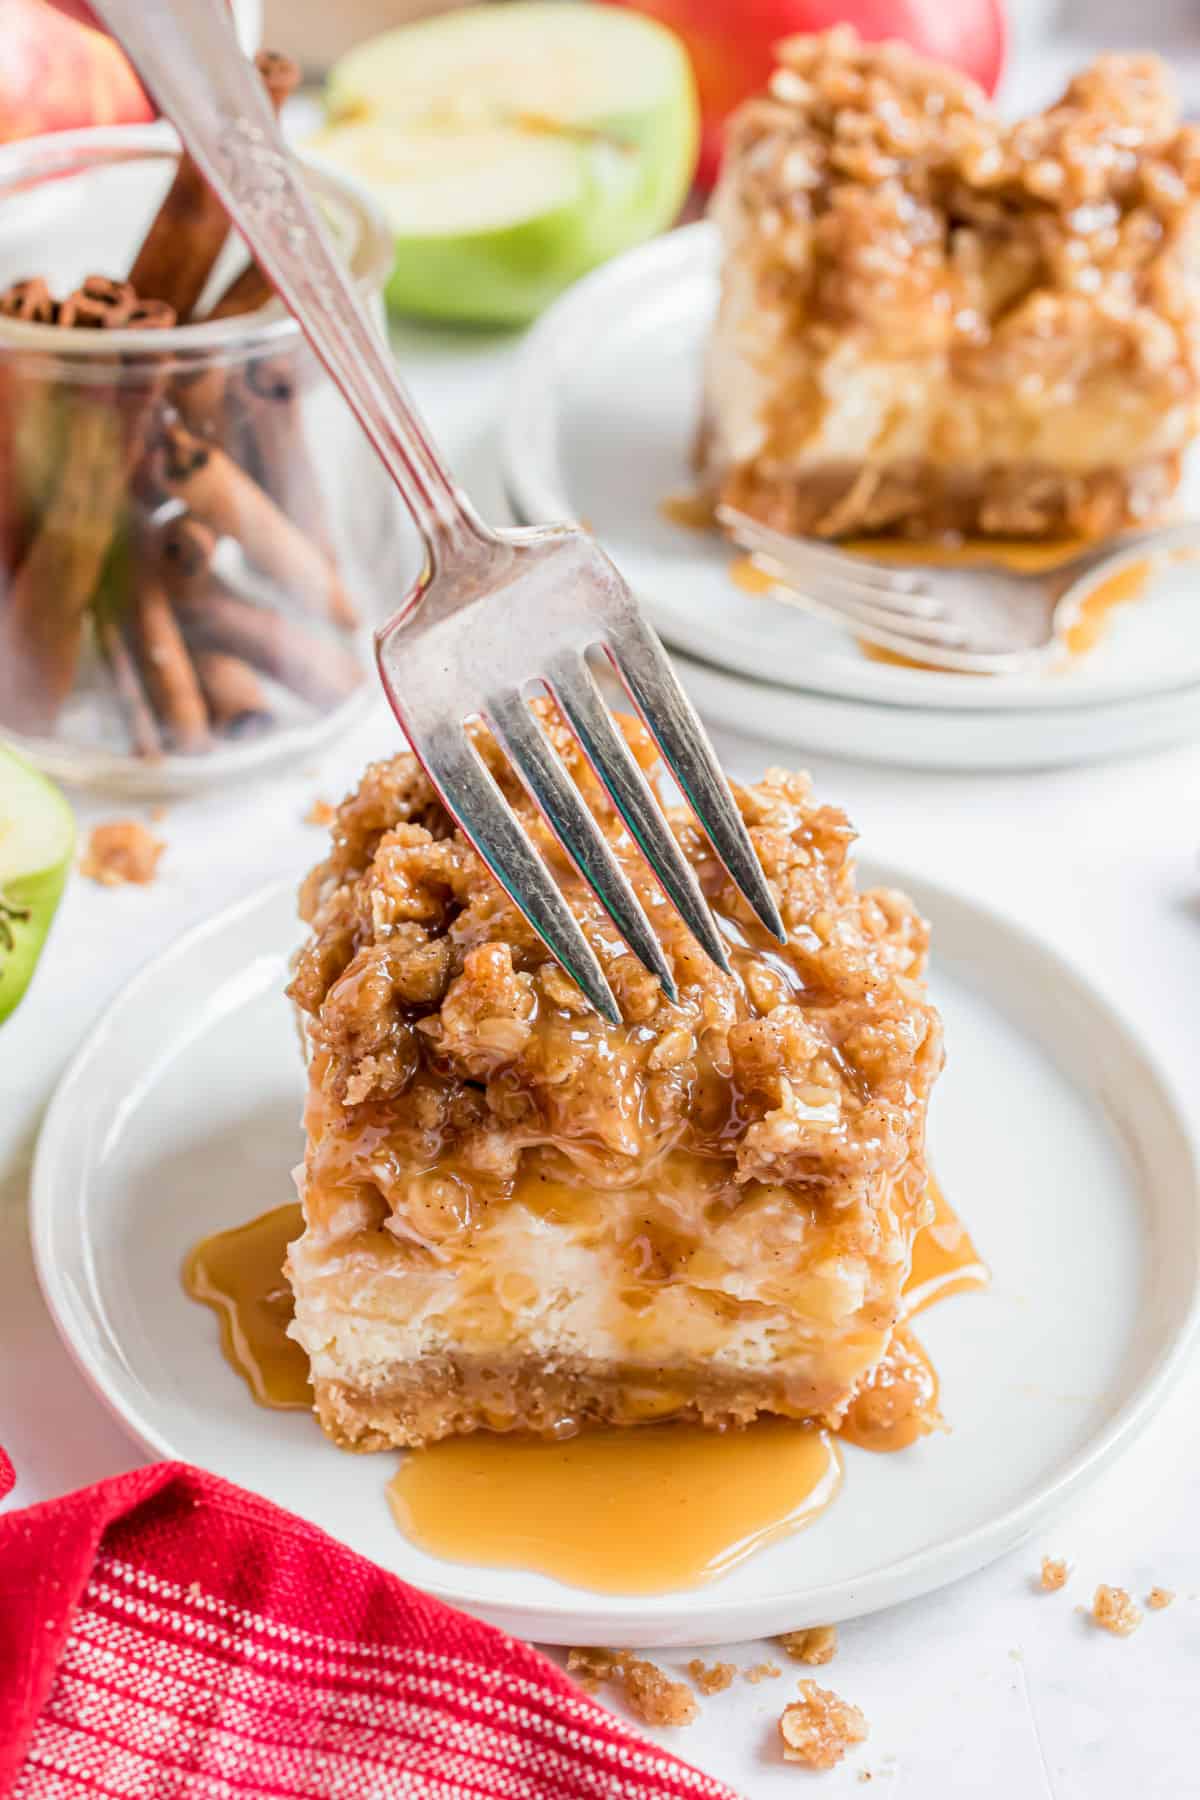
[815, 1646]
[711, 1679]
[1114, 1610]
[653, 1697]
[1158, 1597]
[592, 1666]
[819, 1728]
[1054, 1573]
[321, 812]
[765, 1671]
[121, 851]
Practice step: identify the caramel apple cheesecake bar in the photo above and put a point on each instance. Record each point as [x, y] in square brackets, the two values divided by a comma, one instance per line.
[520, 1217]
[934, 321]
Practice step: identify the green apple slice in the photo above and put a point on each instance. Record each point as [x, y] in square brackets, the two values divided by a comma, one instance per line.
[512, 148]
[37, 837]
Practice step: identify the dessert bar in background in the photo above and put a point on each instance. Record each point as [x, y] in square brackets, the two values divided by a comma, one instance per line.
[934, 321]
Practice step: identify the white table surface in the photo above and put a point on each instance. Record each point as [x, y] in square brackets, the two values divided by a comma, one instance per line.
[989, 1688]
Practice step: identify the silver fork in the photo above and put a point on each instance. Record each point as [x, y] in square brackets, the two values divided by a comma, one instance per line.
[978, 621]
[492, 611]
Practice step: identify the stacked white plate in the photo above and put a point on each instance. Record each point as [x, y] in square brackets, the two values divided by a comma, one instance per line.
[599, 425]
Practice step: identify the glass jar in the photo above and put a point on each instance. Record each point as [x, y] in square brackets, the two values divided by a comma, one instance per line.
[192, 525]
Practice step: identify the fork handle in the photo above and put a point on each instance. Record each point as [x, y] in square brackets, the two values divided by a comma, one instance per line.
[188, 56]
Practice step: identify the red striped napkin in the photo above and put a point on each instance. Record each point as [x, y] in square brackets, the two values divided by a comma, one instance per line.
[164, 1634]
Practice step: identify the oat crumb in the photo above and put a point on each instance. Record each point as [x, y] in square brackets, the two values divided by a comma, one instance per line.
[592, 1666]
[121, 851]
[714, 1679]
[762, 1672]
[1054, 1573]
[1158, 1597]
[653, 1697]
[819, 1728]
[1114, 1611]
[320, 813]
[815, 1646]
[194, 1590]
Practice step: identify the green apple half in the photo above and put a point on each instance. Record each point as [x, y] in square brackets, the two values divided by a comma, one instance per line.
[514, 147]
[37, 837]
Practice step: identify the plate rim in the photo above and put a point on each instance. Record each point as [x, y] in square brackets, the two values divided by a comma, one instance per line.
[717, 1621]
[536, 495]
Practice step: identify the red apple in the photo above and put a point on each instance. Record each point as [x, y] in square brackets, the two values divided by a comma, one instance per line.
[56, 74]
[730, 42]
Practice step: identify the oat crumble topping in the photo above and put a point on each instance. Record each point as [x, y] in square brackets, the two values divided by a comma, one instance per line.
[712, 1679]
[1054, 1573]
[815, 1646]
[321, 812]
[1114, 1610]
[1159, 1597]
[122, 851]
[818, 1729]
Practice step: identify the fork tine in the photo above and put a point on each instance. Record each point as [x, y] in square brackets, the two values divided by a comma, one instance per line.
[473, 798]
[936, 655]
[848, 602]
[928, 633]
[795, 572]
[753, 535]
[582, 704]
[671, 719]
[563, 808]
[616, 767]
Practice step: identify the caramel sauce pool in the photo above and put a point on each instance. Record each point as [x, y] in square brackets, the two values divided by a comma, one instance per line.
[634, 1512]
[647, 1510]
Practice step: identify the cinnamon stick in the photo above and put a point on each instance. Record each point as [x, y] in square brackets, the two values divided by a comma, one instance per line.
[97, 304]
[185, 550]
[42, 628]
[189, 230]
[131, 695]
[166, 664]
[30, 300]
[319, 671]
[28, 413]
[221, 495]
[41, 632]
[184, 241]
[269, 400]
[237, 701]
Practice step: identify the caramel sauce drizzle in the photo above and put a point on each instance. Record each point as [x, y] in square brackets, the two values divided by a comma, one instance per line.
[239, 1273]
[656, 1508]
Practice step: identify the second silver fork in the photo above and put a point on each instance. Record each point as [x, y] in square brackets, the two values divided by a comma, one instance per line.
[974, 620]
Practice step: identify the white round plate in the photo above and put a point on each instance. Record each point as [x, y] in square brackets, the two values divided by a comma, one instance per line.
[599, 423]
[923, 738]
[1052, 1132]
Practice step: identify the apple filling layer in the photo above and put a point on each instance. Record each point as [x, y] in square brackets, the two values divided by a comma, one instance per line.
[521, 1217]
[932, 320]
